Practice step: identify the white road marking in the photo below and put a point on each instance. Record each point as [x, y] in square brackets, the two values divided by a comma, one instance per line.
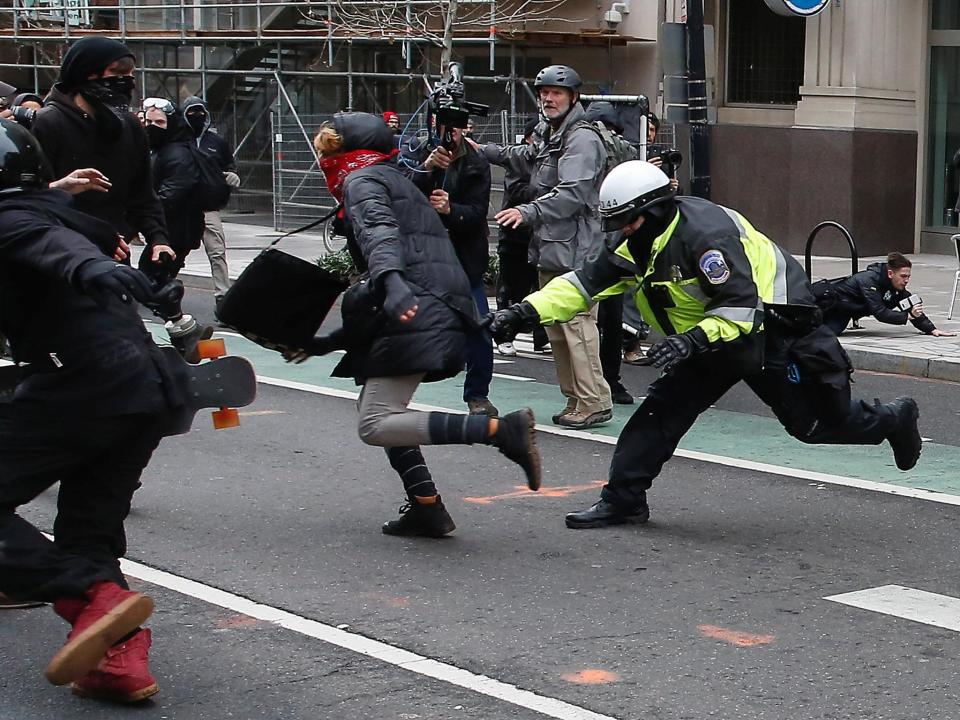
[790, 472]
[920, 606]
[518, 378]
[550, 707]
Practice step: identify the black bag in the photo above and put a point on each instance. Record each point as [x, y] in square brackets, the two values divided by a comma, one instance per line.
[825, 293]
[213, 192]
[279, 301]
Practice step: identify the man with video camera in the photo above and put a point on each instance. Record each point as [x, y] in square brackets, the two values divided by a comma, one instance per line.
[456, 180]
[880, 291]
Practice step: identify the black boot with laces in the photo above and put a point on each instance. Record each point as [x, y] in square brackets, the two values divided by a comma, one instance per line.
[421, 517]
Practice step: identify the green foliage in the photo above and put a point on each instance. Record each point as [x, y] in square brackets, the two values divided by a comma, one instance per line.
[493, 270]
[339, 263]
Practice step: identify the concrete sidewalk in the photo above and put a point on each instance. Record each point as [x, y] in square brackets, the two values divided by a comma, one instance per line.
[877, 347]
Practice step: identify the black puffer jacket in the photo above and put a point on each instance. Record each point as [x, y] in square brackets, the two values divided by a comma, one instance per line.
[396, 229]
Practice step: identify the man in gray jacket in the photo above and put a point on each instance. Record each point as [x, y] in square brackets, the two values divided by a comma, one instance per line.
[568, 163]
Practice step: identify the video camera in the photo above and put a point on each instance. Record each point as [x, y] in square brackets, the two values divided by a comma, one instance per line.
[449, 108]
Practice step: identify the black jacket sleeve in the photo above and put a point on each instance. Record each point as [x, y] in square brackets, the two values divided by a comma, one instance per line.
[923, 324]
[874, 302]
[143, 205]
[31, 241]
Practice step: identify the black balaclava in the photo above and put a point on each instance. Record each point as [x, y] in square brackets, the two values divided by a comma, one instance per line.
[109, 97]
[177, 129]
[657, 219]
[196, 115]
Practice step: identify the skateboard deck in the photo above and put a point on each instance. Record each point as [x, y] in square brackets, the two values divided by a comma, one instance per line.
[224, 382]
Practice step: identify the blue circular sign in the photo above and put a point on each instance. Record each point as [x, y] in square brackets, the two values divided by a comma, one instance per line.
[800, 8]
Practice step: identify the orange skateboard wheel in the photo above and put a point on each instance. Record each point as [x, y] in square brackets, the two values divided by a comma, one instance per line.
[226, 418]
[211, 349]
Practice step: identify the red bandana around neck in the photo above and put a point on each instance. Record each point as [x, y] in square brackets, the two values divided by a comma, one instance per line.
[335, 169]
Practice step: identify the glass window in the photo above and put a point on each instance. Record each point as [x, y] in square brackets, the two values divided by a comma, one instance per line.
[764, 55]
[945, 15]
[943, 139]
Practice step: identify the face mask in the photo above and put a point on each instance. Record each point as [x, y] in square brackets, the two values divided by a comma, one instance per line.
[197, 123]
[115, 91]
[155, 136]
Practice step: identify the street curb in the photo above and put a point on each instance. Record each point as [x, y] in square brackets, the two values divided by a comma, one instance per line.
[899, 363]
[885, 361]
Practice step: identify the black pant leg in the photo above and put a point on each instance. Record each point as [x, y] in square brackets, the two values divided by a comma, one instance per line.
[515, 279]
[35, 452]
[95, 497]
[795, 408]
[650, 437]
[610, 325]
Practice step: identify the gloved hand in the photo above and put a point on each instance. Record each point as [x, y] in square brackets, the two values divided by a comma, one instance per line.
[320, 345]
[233, 180]
[505, 324]
[101, 278]
[677, 348]
[400, 302]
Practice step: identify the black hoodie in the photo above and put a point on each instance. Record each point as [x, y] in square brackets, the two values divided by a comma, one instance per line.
[70, 140]
[175, 178]
[209, 141]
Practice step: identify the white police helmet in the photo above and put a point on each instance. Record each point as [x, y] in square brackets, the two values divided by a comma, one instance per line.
[630, 189]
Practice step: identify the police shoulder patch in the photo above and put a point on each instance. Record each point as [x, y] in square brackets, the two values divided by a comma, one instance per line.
[714, 267]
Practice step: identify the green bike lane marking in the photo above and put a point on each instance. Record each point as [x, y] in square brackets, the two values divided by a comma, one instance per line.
[717, 436]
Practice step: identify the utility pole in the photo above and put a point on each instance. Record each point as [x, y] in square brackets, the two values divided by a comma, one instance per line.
[697, 99]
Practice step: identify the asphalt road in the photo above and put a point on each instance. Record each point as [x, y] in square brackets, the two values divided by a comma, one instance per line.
[716, 608]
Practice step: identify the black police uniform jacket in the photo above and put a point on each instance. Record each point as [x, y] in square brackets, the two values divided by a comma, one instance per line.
[467, 180]
[870, 292]
[72, 140]
[395, 228]
[83, 359]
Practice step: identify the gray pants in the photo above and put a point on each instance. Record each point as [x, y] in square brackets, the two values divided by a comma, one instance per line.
[385, 419]
[215, 245]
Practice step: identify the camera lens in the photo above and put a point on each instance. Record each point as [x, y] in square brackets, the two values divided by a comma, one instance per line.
[23, 115]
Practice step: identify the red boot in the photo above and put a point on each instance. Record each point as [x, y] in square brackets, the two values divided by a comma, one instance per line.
[123, 675]
[109, 614]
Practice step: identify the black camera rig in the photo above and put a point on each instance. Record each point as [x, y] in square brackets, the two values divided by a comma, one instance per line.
[448, 107]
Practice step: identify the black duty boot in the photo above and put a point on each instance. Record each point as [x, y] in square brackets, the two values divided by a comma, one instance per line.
[517, 439]
[603, 513]
[905, 440]
[420, 519]
[620, 395]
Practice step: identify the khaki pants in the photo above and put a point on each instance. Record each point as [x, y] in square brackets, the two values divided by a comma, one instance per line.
[215, 245]
[576, 356]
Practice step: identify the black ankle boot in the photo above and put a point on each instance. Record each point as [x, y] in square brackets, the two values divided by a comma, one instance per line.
[418, 519]
[517, 439]
[603, 513]
[905, 440]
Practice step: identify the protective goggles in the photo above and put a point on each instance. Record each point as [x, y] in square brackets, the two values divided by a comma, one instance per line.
[161, 104]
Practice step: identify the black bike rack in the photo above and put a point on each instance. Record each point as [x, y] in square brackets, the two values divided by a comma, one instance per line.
[807, 254]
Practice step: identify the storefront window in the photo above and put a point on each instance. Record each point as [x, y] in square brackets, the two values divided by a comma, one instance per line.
[945, 15]
[943, 146]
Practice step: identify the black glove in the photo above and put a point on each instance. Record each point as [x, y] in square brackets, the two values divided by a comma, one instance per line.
[399, 297]
[505, 324]
[319, 345]
[102, 278]
[677, 348]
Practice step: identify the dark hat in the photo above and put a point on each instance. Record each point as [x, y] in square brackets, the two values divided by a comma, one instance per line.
[89, 56]
[363, 131]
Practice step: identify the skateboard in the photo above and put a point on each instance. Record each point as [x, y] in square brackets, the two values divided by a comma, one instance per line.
[221, 381]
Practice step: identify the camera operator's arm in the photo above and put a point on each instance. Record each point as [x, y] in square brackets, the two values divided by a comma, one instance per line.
[874, 299]
[582, 162]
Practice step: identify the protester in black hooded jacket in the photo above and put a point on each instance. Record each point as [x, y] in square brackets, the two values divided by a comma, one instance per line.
[419, 335]
[175, 177]
[86, 123]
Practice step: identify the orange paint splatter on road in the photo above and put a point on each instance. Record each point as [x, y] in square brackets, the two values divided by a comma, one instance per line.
[561, 491]
[735, 637]
[237, 621]
[394, 601]
[591, 676]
